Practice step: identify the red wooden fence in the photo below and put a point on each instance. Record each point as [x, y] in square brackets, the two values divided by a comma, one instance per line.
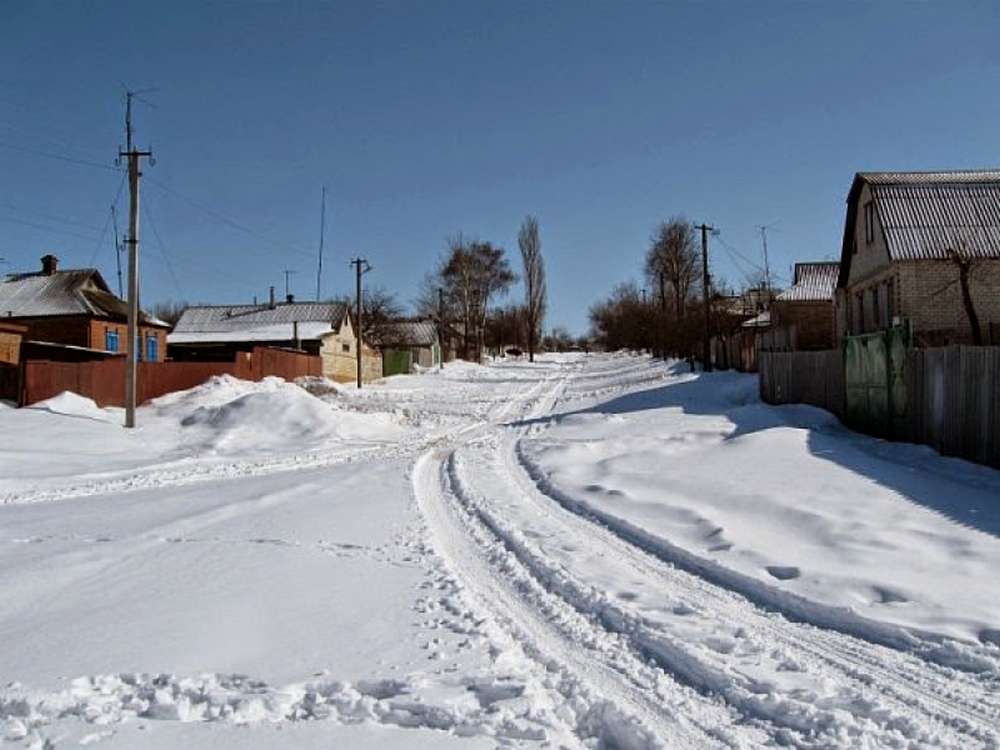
[104, 381]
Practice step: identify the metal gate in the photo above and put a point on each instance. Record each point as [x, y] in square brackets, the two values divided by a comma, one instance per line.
[875, 382]
[396, 362]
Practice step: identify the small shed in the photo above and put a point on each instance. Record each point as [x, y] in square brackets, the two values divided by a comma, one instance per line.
[408, 344]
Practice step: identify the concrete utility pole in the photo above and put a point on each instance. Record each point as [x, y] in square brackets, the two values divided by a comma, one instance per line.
[132, 353]
[361, 267]
[707, 345]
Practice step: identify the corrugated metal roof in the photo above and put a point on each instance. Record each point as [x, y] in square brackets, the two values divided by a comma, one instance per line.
[944, 177]
[76, 292]
[925, 221]
[814, 282]
[307, 331]
[257, 322]
[408, 333]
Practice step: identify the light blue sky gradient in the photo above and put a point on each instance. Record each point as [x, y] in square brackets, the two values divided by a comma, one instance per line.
[429, 119]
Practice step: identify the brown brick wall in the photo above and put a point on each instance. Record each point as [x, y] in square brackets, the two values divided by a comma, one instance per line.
[72, 331]
[813, 321]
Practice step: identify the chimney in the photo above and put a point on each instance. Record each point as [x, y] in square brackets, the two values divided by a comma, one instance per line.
[289, 298]
[271, 303]
[50, 264]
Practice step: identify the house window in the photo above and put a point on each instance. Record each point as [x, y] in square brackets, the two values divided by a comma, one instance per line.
[869, 222]
[111, 339]
[858, 324]
[152, 349]
[876, 311]
[345, 347]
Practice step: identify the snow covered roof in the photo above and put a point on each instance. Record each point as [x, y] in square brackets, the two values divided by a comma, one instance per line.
[80, 291]
[814, 282]
[280, 322]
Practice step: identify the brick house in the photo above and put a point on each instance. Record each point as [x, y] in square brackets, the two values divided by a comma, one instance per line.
[806, 309]
[906, 237]
[216, 333]
[75, 308]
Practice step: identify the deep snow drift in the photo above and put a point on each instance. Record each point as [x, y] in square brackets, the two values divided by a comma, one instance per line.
[263, 564]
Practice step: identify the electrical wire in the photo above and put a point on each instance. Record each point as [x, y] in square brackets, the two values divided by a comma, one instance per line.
[60, 157]
[225, 220]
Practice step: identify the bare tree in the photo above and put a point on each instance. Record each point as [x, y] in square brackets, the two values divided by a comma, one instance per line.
[534, 282]
[673, 261]
[960, 258]
[672, 270]
[169, 311]
[378, 308]
[471, 273]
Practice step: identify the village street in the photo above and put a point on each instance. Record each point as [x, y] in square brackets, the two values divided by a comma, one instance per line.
[585, 551]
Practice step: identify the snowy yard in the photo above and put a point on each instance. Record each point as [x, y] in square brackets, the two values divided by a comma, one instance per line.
[587, 551]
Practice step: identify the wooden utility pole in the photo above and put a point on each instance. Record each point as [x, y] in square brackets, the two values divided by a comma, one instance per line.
[361, 267]
[707, 345]
[132, 346]
[441, 324]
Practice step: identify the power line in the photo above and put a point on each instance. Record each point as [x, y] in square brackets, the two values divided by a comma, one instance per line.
[162, 248]
[225, 220]
[60, 157]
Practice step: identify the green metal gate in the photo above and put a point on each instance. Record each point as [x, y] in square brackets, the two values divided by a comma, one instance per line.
[396, 362]
[875, 380]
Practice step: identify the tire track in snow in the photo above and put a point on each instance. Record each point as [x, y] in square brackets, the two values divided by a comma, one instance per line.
[591, 666]
[897, 696]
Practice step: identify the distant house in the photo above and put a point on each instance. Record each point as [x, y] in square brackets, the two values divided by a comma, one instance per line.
[805, 312]
[76, 311]
[408, 344]
[216, 333]
[907, 237]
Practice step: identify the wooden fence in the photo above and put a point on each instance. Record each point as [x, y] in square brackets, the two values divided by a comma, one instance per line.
[104, 380]
[815, 378]
[954, 401]
[952, 395]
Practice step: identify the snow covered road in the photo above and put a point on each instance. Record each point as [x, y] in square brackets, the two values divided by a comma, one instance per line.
[586, 551]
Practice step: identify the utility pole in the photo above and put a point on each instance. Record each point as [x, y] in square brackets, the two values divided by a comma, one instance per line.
[132, 316]
[441, 324]
[707, 345]
[361, 267]
[767, 272]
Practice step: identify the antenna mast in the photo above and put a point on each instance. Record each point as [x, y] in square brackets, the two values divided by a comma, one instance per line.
[322, 225]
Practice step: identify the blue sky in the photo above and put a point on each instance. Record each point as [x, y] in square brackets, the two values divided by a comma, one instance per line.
[426, 119]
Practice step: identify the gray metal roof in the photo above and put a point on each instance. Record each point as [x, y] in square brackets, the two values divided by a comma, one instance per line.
[75, 292]
[814, 282]
[945, 177]
[925, 221]
[232, 320]
[408, 333]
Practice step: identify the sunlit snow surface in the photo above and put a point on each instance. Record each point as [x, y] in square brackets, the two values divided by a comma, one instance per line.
[584, 551]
